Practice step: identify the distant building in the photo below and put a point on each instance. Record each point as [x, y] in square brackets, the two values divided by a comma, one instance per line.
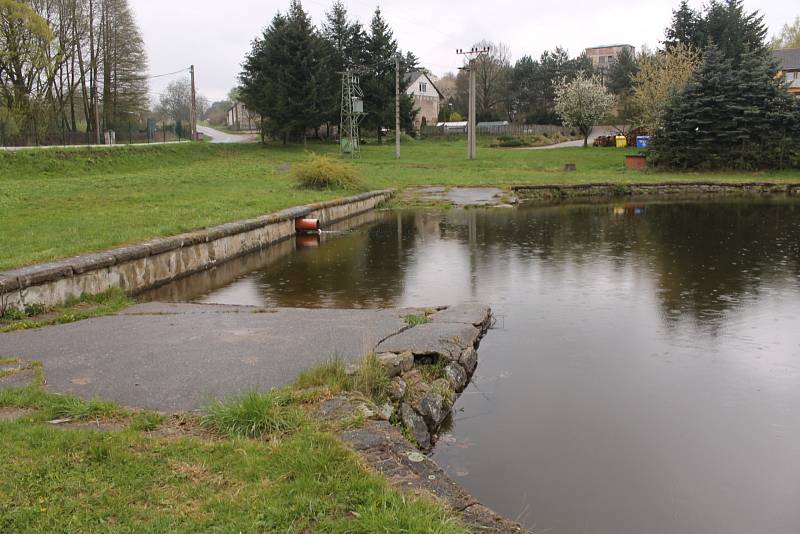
[789, 61]
[427, 97]
[603, 56]
[240, 118]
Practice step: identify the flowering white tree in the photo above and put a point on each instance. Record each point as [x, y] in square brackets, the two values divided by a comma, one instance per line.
[582, 103]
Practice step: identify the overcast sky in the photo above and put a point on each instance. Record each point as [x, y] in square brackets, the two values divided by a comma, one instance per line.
[216, 34]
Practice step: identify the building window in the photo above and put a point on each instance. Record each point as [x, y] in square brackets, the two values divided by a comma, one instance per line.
[423, 87]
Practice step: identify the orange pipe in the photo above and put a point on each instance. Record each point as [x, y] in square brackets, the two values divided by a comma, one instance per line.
[306, 225]
[307, 240]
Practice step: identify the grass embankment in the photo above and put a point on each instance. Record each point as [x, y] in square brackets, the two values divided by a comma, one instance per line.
[86, 306]
[56, 203]
[258, 462]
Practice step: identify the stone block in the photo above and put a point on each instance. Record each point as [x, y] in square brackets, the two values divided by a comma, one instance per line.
[416, 426]
[45, 272]
[456, 376]
[469, 359]
[406, 361]
[8, 283]
[432, 408]
[397, 389]
[474, 314]
[91, 262]
[133, 252]
[391, 363]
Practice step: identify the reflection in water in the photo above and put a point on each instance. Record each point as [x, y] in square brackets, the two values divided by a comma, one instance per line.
[645, 372]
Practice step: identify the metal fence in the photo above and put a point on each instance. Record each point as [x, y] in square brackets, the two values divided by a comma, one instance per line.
[511, 130]
[127, 134]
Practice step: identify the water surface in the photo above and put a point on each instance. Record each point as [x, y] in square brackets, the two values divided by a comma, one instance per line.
[644, 372]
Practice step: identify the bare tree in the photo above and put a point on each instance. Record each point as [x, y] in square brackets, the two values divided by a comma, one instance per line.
[492, 76]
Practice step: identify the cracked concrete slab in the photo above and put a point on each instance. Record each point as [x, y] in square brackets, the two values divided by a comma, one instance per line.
[445, 339]
[474, 314]
[176, 357]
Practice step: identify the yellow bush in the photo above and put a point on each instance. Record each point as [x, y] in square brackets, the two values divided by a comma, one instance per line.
[325, 172]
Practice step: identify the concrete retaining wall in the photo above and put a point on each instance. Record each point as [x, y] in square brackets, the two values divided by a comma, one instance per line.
[665, 188]
[150, 264]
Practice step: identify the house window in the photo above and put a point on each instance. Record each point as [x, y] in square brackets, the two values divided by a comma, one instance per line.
[423, 87]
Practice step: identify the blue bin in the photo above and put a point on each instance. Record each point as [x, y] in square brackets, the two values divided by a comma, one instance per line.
[642, 141]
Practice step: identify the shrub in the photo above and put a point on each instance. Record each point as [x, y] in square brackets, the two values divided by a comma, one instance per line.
[254, 415]
[325, 172]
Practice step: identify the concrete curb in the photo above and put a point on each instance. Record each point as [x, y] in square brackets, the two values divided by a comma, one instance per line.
[146, 265]
[658, 188]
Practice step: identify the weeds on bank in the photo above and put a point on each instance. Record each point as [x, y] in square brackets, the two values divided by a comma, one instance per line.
[432, 371]
[326, 172]
[368, 378]
[51, 406]
[76, 309]
[417, 319]
[254, 415]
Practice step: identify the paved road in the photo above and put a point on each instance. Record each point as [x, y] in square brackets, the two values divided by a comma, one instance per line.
[596, 132]
[218, 136]
[176, 357]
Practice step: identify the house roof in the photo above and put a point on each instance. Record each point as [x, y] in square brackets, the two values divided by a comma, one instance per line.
[411, 78]
[789, 58]
[609, 46]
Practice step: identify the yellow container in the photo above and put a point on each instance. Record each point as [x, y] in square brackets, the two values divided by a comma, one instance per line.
[622, 141]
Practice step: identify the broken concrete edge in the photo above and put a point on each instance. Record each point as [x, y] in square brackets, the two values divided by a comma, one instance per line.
[381, 440]
[544, 191]
[385, 451]
[138, 267]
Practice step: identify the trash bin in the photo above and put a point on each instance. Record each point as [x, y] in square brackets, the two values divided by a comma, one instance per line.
[622, 141]
[642, 141]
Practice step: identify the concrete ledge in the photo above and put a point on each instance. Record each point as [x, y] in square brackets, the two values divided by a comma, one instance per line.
[136, 268]
[661, 188]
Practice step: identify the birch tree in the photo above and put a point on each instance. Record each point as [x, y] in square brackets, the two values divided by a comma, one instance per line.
[582, 103]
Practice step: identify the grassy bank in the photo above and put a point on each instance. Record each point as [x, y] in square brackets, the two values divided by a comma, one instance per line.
[75, 309]
[56, 203]
[256, 463]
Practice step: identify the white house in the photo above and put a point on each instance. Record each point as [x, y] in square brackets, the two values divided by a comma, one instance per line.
[426, 97]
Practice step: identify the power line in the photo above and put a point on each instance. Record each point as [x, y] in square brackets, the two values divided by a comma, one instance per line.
[165, 74]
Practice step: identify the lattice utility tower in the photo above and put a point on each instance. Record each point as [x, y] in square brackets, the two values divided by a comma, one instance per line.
[352, 113]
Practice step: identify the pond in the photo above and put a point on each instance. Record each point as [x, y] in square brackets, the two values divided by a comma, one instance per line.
[644, 371]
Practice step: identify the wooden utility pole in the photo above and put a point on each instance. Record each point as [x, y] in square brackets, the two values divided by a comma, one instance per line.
[97, 118]
[193, 112]
[471, 138]
[472, 135]
[397, 105]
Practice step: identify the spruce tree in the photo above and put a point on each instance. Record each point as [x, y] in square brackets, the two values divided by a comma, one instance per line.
[698, 128]
[620, 74]
[302, 72]
[263, 82]
[684, 28]
[342, 48]
[378, 85]
[730, 117]
[732, 30]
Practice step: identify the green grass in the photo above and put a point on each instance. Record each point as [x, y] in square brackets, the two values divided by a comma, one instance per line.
[254, 415]
[133, 480]
[86, 306]
[369, 378]
[56, 203]
[418, 319]
[51, 406]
